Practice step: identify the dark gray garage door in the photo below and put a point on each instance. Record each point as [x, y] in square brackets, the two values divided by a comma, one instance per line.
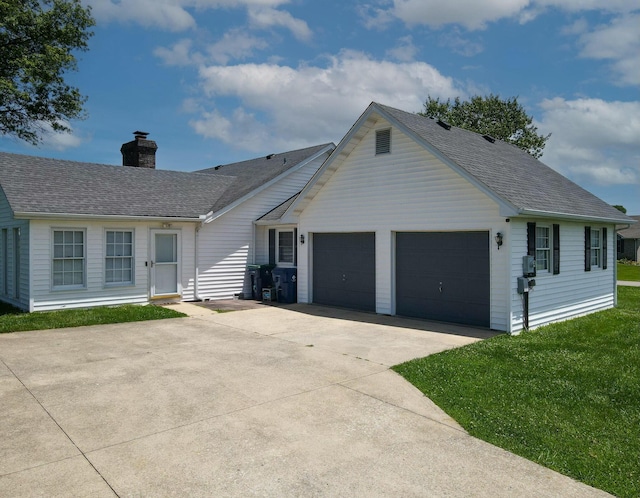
[344, 270]
[443, 276]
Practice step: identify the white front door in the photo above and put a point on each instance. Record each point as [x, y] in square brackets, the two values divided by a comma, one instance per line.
[165, 263]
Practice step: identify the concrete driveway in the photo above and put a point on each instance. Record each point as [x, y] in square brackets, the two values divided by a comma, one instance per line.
[295, 401]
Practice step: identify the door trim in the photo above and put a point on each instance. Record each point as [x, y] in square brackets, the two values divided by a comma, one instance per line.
[151, 265]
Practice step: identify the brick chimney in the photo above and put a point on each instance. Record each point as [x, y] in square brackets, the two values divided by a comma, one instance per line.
[140, 153]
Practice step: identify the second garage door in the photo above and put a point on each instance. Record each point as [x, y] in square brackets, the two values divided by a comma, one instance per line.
[344, 270]
[444, 276]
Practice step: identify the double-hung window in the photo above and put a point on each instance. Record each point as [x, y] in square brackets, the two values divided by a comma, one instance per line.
[69, 266]
[595, 247]
[285, 247]
[543, 248]
[119, 257]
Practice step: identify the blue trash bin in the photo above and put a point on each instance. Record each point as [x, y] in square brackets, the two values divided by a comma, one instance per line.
[286, 283]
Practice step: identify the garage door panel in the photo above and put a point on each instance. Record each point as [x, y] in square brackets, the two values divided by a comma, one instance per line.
[443, 276]
[344, 270]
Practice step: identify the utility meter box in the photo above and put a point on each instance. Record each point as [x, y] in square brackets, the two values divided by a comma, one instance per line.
[528, 266]
[525, 285]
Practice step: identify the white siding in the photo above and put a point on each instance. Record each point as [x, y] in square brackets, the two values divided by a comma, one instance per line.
[406, 190]
[96, 293]
[571, 293]
[15, 295]
[226, 245]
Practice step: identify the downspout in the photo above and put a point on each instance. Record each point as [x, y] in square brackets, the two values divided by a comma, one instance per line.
[196, 293]
[253, 243]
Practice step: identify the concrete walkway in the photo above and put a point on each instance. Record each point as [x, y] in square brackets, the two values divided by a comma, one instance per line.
[295, 401]
[628, 283]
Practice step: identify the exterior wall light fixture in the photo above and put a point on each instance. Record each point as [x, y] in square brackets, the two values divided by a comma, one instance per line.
[302, 238]
[499, 239]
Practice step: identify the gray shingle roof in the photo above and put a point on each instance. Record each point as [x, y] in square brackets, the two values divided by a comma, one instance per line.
[47, 186]
[512, 174]
[43, 185]
[256, 172]
[633, 232]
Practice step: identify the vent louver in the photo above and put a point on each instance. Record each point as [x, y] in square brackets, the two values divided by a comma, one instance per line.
[383, 141]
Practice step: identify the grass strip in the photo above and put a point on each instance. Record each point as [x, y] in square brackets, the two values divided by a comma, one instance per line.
[566, 395]
[629, 272]
[12, 320]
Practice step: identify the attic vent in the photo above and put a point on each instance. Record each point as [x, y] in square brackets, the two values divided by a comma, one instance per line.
[446, 126]
[383, 141]
[218, 167]
[270, 156]
[489, 138]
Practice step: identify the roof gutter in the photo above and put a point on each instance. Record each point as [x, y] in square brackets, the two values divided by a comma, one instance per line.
[73, 216]
[566, 216]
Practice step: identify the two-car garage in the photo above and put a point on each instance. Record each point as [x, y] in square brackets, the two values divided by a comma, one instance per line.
[442, 276]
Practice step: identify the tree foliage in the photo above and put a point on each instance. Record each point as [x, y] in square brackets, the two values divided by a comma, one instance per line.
[37, 43]
[503, 119]
[620, 208]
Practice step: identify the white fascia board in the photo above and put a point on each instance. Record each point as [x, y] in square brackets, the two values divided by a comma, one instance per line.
[576, 217]
[214, 216]
[103, 217]
[306, 193]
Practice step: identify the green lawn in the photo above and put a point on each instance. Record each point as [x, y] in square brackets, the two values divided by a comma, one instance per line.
[13, 320]
[566, 395]
[629, 272]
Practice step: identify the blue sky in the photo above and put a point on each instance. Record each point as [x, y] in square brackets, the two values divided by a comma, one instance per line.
[217, 81]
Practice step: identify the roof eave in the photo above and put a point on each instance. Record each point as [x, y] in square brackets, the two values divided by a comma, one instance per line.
[24, 215]
[578, 217]
[212, 216]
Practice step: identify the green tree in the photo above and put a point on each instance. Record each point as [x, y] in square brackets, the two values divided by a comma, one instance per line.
[620, 208]
[37, 43]
[503, 119]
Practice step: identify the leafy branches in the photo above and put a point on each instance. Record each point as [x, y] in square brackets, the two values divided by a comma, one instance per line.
[37, 41]
[490, 115]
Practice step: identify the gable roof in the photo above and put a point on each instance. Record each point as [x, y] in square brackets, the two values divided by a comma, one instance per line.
[518, 182]
[250, 175]
[276, 213]
[37, 186]
[633, 232]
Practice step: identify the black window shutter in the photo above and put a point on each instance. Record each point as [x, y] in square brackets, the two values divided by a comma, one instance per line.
[556, 249]
[272, 246]
[604, 248]
[587, 248]
[295, 246]
[531, 239]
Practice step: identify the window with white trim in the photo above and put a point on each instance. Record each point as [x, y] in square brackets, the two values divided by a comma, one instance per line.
[286, 248]
[68, 259]
[118, 263]
[543, 248]
[596, 247]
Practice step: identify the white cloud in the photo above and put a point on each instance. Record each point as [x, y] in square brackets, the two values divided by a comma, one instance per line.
[179, 54]
[58, 140]
[474, 14]
[593, 139]
[310, 104]
[618, 41]
[468, 13]
[405, 51]
[164, 14]
[173, 15]
[235, 44]
[265, 17]
[459, 44]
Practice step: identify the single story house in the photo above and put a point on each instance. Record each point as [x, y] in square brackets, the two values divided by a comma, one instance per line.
[629, 241]
[411, 216]
[78, 234]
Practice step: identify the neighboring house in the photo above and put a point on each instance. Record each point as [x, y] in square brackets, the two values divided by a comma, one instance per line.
[405, 216]
[78, 234]
[629, 242]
